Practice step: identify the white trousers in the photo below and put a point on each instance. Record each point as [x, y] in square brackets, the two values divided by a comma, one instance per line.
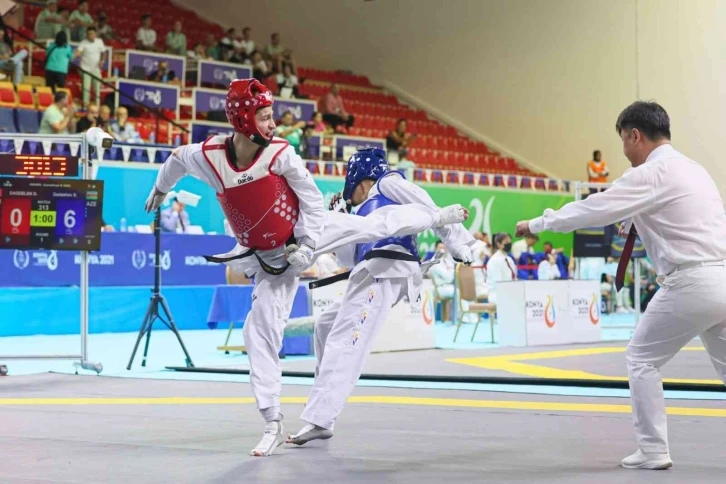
[689, 303]
[343, 341]
[273, 296]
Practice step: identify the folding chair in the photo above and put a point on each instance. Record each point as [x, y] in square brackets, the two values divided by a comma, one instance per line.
[466, 286]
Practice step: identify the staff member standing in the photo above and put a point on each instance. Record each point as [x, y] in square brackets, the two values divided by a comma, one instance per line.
[501, 266]
[679, 215]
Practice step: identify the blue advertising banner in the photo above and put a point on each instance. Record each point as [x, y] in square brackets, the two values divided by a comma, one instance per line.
[125, 259]
[150, 94]
[206, 100]
[220, 74]
[201, 130]
[301, 110]
[150, 62]
[359, 143]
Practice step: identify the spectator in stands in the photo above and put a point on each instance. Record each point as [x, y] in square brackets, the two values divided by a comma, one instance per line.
[58, 117]
[80, 20]
[260, 67]
[274, 49]
[104, 117]
[92, 52]
[501, 266]
[212, 49]
[239, 47]
[399, 139]
[524, 245]
[547, 269]
[199, 52]
[162, 73]
[443, 275]
[286, 79]
[64, 25]
[175, 218]
[246, 44]
[226, 46]
[146, 36]
[176, 41]
[122, 130]
[9, 61]
[58, 56]
[47, 20]
[292, 132]
[331, 105]
[286, 60]
[316, 124]
[104, 30]
[597, 170]
[90, 120]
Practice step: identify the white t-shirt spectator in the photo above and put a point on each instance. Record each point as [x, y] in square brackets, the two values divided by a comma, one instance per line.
[520, 247]
[147, 37]
[500, 268]
[91, 53]
[283, 81]
[247, 46]
[547, 271]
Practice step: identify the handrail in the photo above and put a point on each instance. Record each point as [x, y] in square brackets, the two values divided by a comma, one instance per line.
[156, 111]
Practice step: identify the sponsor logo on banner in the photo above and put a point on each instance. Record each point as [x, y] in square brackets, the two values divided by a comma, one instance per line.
[538, 310]
[153, 95]
[21, 259]
[197, 260]
[216, 103]
[150, 64]
[96, 259]
[138, 259]
[225, 74]
[594, 310]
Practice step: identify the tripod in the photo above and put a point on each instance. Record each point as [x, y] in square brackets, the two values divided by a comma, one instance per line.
[152, 313]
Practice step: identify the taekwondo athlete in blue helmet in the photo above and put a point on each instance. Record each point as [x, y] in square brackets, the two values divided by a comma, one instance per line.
[384, 272]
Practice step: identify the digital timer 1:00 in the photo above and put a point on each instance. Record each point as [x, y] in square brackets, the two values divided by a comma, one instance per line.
[42, 218]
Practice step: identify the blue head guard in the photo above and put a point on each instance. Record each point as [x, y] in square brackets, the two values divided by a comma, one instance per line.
[368, 163]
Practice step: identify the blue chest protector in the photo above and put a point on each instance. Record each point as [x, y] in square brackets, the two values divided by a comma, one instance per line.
[408, 242]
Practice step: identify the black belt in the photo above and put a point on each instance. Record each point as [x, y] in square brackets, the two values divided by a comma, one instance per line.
[275, 271]
[373, 254]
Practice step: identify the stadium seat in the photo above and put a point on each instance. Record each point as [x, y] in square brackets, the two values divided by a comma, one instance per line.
[7, 120]
[26, 99]
[7, 95]
[45, 96]
[27, 120]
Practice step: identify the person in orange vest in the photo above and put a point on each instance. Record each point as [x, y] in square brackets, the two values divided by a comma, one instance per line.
[597, 170]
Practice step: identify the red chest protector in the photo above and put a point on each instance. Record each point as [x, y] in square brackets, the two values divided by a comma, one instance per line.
[260, 206]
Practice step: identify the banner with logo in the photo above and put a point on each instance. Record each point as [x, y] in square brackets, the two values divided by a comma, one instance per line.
[220, 74]
[341, 142]
[545, 312]
[301, 110]
[150, 94]
[125, 259]
[150, 62]
[206, 100]
[585, 310]
[201, 130]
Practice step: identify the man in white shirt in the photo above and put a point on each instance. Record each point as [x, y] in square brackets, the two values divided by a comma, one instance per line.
[92, 52]
[679, 215]
[146, 36]
[524, 245]
[548, 270]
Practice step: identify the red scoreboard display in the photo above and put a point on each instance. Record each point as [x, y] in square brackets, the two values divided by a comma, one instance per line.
[58, 214]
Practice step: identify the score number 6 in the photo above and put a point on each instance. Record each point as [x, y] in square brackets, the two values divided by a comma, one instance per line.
[69, 219]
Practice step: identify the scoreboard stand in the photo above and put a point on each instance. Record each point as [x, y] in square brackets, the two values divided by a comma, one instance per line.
[43, 207]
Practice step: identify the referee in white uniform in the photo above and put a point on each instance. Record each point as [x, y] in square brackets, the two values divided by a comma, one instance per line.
[674, 205]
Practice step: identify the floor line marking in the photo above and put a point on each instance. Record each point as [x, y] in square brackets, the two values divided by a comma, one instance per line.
[389, 400]
[512, 363]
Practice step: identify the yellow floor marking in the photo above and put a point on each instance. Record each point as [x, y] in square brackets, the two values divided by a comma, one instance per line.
[391, 400]
[511, 363]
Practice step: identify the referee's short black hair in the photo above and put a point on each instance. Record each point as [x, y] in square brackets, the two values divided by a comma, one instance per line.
[648, 117]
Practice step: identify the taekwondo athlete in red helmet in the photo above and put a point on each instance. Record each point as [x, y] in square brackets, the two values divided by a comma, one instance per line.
[276, 213]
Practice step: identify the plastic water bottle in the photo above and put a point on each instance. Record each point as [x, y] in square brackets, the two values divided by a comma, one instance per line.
[177, 140]
[152, 138]
[123, 225]
[165, 78]
[115, 72]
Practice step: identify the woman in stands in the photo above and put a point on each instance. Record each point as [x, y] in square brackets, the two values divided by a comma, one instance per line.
[58, 57]
[501, 266]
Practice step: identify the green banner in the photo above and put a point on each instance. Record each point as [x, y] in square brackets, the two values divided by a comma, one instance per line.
[492, 209]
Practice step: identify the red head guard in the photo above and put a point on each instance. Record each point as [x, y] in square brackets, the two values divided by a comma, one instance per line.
[244, 98]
